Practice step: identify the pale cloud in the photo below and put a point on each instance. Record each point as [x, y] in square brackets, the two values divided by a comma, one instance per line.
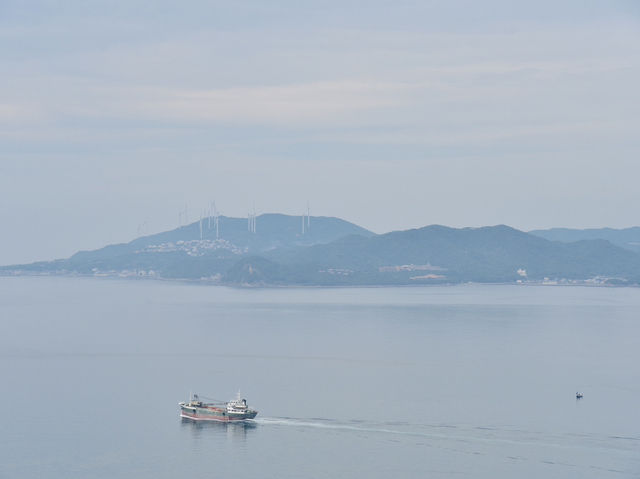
[528, 136]
[310, 103]
[20, 113]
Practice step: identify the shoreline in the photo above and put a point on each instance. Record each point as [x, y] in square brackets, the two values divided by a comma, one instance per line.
[245, 286]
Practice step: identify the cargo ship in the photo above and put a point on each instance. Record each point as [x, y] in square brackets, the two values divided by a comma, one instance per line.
[234, 410]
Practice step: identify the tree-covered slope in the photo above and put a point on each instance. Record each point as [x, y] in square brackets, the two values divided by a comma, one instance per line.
[441, 254]
[335, 252]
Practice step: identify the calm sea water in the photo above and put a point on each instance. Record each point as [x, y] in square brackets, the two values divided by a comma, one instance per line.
[465, 381]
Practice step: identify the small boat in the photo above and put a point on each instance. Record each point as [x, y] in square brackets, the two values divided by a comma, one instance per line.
[234, 410]
[578, 395]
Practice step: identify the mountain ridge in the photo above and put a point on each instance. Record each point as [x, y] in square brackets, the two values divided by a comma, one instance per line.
[628, 238]
[332, 252]
[485, 254]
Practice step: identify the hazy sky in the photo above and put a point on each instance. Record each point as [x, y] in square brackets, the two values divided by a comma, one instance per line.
[391, 114]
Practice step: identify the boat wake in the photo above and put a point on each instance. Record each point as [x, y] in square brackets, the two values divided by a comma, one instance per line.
[357, 426]
[455, 436]
[433, 435]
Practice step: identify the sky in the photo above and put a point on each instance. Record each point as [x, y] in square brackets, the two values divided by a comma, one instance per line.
[115, 116]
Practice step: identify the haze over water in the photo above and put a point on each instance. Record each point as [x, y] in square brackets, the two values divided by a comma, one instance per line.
[475, 381]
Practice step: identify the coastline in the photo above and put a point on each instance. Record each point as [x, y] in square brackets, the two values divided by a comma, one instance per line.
[587, 283]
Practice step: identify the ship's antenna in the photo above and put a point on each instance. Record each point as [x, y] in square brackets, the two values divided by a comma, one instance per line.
[308, 216]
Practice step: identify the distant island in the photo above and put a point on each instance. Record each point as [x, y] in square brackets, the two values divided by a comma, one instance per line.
[282, 250]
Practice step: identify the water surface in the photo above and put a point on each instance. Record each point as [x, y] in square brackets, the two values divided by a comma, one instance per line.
[475, 381]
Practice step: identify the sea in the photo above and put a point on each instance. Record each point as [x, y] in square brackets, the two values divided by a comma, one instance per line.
[447, 381]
